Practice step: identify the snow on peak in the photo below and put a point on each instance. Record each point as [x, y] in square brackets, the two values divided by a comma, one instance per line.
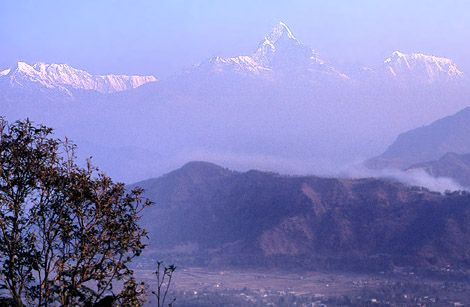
[421, 67]
[398, 54]
[280, 43]
[23, 67]
[280, 50]
[279, 53]
[280, 31]
[64, 77]
[241, 64]
[5, 72]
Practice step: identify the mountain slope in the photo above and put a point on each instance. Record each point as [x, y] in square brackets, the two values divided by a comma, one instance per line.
[428, 143]
[209, 214]
[451, 165]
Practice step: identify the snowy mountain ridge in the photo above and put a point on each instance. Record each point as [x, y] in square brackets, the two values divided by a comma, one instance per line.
[64, 77]
[421, 67]
[280, 53]
[280, 56]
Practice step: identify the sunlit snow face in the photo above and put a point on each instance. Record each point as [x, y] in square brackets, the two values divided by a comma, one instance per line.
[422, 67]
[63, 76]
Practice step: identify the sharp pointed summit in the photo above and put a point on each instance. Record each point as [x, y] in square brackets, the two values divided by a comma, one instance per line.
[278, 44]
[280, 31]
[281, 50]
[280, 56]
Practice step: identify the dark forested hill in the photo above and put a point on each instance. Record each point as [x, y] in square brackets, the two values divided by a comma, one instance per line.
[207, 214]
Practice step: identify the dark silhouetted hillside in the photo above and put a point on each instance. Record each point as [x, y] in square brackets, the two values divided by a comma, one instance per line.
[207, 214]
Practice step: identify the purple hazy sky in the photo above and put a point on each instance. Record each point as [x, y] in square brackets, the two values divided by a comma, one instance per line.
[163, 37]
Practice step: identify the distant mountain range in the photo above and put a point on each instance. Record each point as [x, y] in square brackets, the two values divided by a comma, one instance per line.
[206, 214]
[65, 79]
[281, 57]
[282, 104]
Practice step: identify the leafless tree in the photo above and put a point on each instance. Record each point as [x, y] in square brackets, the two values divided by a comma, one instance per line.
[164, 277]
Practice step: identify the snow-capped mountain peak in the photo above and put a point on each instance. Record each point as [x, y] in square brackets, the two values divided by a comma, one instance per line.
[281, 48]
[395, 55]
[421, 67]
[280, 32]
[5, 72]
[278, 56]
[65, 78]
[23, 67]
[282, 51]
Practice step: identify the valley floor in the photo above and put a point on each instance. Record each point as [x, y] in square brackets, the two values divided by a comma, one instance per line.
[205, 287]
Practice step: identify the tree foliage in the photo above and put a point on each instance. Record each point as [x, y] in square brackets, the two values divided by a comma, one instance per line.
[67, 233]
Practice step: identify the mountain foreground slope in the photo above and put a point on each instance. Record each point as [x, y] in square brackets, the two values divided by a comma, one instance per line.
[428, 143]
[451, 165]
[209, 215]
